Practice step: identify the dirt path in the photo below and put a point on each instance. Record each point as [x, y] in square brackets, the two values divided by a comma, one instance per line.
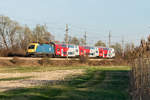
[18, 80]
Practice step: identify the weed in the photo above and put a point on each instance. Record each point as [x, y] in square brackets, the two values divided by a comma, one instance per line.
[139, 79]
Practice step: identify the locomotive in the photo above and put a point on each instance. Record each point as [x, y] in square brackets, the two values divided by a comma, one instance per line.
[68, 50]
[39, 49]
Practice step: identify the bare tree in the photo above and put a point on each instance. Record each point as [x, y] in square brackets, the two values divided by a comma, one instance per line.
[41, 34]
[118, 49]
[82, 41]
[25, 37]
[8, 31]
[100, 43]
[75, 41]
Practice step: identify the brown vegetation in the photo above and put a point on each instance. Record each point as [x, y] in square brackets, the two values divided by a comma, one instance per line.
[45, 61]
[140, 74]
[48, 62]
[140, 79]
[84, 59]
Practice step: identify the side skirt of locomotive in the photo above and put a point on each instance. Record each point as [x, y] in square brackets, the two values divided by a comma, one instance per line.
[40, 55]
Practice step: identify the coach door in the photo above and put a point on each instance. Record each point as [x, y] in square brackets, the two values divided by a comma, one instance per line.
[62, 52]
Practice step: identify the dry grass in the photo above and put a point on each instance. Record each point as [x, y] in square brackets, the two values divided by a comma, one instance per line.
[28, 79]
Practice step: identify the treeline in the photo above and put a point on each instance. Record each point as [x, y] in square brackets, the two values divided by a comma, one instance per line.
[14, 38]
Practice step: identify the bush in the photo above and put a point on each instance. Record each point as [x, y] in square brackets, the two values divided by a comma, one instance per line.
[4, 52]
[16, 52]
[45, 61]
[139, 79]
[84, 59]
[15, 60]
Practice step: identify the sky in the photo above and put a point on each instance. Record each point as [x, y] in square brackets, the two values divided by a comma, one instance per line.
[125, 19]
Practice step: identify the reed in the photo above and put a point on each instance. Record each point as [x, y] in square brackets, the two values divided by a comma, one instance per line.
[140, 79]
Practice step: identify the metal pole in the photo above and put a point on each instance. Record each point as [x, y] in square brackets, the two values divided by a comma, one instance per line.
[122, 46]
[85, 37]
[67, 38]
[109, 43]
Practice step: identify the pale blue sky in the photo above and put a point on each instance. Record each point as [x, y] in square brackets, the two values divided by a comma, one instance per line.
[125, 18]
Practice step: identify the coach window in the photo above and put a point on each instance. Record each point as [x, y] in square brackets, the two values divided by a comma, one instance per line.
[70, 53]
[65, 53]
[70, 46]
[64, 45]
[92, 54]
[58, 49]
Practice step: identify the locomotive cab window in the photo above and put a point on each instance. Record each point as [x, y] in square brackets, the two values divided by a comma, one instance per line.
[31, 47]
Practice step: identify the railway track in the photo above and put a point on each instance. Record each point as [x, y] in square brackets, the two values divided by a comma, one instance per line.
[55, 59]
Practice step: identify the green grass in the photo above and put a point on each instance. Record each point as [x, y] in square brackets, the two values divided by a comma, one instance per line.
[22, 69]
[15, 78]
[98, 83]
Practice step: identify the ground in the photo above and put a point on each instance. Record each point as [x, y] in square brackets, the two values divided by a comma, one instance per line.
[64, 83]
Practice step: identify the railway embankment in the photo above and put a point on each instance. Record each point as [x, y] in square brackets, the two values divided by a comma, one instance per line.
[26, 61]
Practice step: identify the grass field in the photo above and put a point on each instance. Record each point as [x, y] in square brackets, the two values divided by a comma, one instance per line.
[98, 83]
[24, 69]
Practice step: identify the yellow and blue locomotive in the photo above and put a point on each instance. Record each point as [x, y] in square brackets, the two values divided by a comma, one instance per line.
[41, 49]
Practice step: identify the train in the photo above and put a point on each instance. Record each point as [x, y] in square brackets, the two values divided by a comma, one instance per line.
[68, 50]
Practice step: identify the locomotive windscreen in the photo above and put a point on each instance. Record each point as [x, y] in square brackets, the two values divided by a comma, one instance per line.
[31, 47]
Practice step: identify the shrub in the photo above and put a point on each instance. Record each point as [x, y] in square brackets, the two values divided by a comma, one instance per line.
[16, 52]
[4, 52]
[45, 61]
[84, 59]
[15, 60]
[139, 79]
